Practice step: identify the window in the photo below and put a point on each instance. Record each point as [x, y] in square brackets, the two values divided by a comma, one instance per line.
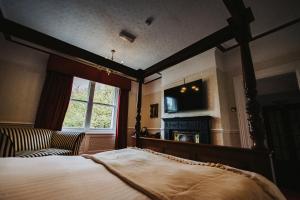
[92, 106]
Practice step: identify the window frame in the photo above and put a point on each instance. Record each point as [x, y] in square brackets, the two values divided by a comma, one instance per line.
[89, 111]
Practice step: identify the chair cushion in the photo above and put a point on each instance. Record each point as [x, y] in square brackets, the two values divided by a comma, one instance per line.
[6, 146]
[43, 152]
[64, 140]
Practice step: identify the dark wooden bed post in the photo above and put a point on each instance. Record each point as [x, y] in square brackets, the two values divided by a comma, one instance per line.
[240, 21]
[255, 124]
[138, 109]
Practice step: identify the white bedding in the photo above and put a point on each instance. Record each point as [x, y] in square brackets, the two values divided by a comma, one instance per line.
[127, 174]
[60, 178]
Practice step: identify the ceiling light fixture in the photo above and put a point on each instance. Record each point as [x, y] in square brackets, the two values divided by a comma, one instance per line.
[183, 88]
[195, 88]
[125, 35]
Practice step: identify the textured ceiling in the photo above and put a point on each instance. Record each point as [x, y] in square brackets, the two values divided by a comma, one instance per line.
[94, 25]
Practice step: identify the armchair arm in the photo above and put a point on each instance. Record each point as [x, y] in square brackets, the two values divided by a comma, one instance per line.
[7, 148]
[67, 140]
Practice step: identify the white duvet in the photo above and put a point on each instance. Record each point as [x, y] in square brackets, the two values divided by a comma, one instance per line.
[128, 174]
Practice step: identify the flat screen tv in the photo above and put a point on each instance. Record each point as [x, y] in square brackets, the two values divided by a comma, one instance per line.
[185, 97]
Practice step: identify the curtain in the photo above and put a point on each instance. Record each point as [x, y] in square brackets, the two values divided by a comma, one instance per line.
[54, 101]
[74, 68]
[122, 118]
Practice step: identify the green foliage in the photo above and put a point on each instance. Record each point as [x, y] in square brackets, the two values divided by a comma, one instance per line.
[101, 114]
[75, 115]
[104, 94]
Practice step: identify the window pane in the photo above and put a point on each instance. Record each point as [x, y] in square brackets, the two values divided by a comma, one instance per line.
[104, 94]
[80, 89]
[75, 116]
[101, 116]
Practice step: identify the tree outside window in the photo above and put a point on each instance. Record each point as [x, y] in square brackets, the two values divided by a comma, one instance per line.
[92, 106]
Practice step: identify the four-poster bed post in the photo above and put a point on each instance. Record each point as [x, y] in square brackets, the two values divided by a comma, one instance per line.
[138, 108]
[255, 124]
[240, 21]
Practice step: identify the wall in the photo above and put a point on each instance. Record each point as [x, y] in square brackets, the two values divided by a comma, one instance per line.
[94, 143]
[151, 95]
[22, 74]
[202, 67]
[229, 120]
[219, 97]
[274, 54]
[132, 113]
[270, 51]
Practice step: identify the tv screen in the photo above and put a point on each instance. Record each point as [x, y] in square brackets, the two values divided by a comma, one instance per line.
[185, 97]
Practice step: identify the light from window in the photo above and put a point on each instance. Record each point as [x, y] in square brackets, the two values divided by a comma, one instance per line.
[92, 106]
[101, 117]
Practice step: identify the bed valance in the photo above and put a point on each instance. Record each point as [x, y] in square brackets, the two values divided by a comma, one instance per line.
[74, 68]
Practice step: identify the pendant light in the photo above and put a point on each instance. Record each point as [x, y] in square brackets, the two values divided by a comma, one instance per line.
[183, 88]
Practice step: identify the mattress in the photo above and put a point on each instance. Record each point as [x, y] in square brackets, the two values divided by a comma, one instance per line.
[127, 174]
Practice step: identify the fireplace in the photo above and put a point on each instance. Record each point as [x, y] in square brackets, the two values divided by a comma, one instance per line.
[183, 136]
[188, 129]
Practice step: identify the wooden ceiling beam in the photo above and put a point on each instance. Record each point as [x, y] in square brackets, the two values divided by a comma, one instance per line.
[236, 8]
[240, 18]
[14, 29]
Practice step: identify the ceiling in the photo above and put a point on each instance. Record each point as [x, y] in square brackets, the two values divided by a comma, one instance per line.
[94, 25]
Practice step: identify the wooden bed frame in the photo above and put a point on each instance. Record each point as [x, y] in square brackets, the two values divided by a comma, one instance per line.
[246, 159]
[257, 159]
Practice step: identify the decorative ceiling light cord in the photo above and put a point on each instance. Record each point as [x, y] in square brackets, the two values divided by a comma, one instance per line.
[108, 71]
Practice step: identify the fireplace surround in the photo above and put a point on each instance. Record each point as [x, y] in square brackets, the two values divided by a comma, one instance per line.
[188, 129]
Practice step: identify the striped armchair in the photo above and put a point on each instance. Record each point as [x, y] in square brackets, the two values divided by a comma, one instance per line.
[33, 142]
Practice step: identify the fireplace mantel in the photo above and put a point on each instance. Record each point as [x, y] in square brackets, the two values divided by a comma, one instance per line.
[199, 124]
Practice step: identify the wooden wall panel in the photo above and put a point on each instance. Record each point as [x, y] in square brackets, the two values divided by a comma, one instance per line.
[94, 143]
[130, 139]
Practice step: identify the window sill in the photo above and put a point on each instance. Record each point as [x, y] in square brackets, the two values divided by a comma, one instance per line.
[91, 131]
[100, 133]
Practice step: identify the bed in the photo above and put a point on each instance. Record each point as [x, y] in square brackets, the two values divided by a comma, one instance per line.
[130, 173]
